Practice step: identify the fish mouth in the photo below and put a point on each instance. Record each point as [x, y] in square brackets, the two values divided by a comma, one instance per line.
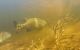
[19, 27]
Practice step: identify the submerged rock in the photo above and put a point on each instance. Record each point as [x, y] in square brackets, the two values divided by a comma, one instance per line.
[4, 36]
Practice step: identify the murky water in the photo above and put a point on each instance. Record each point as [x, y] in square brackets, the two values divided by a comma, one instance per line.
[49, 10]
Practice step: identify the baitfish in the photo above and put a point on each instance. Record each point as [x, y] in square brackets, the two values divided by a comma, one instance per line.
[32, 24]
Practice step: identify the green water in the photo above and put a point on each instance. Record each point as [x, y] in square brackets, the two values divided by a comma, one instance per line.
[48, 10]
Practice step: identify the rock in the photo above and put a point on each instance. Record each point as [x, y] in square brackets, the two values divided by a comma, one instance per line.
[4, 36]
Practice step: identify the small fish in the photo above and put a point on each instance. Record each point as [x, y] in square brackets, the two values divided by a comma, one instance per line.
[31, 24]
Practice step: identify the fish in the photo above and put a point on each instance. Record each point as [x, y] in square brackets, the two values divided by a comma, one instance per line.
[31, 24]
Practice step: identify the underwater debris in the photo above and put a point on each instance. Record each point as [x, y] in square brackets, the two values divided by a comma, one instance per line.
[32, 24]
[4, 36]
